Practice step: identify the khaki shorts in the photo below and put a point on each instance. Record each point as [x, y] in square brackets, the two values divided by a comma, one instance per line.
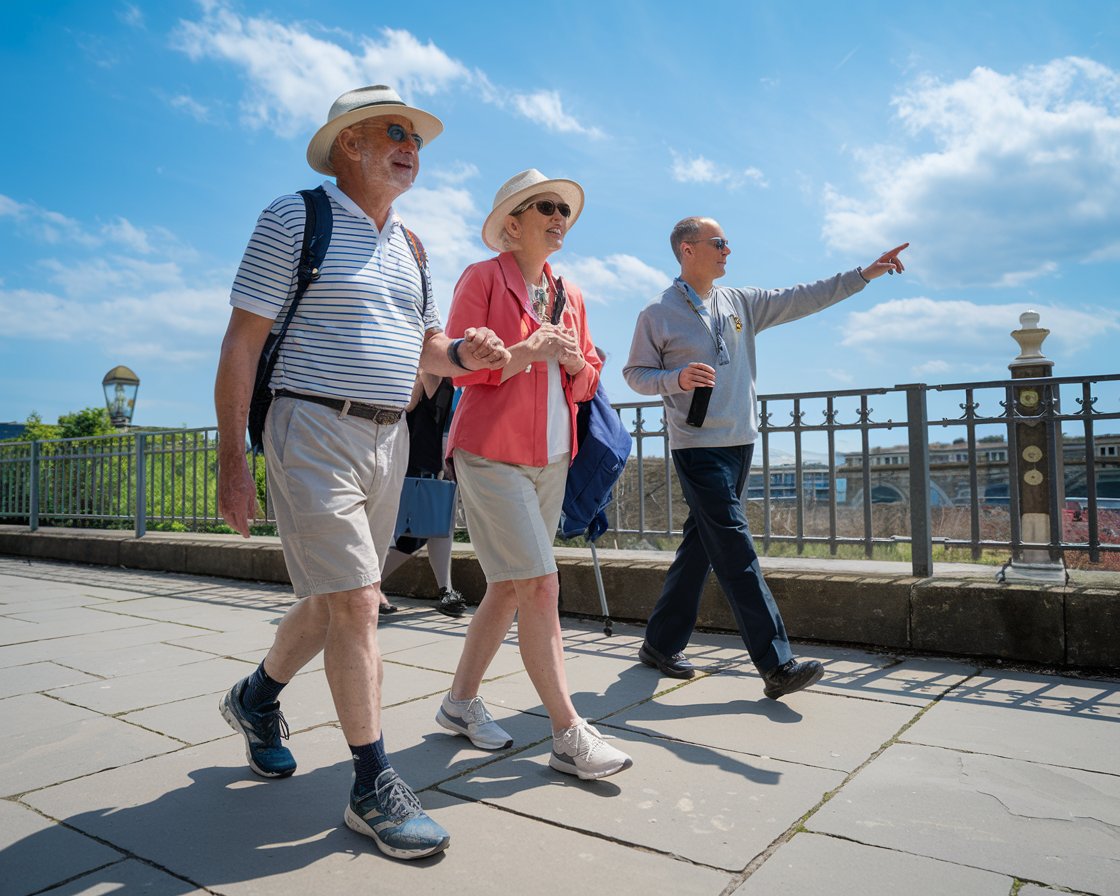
[334, 484]
[512, 514]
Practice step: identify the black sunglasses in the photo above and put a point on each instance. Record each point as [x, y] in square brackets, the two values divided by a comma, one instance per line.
[546, 207]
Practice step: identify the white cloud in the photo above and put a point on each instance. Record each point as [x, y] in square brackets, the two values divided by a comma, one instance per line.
[131, 15]
[614, 278]
[114, 284]
[967, 325]
[191, 106]
[701, 170]
[1008, 177]
[449, 223]
[290, 70]
[546, 108]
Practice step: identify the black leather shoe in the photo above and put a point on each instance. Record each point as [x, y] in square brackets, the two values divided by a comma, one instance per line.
[675, 666]
[451, 602]
[791, 676]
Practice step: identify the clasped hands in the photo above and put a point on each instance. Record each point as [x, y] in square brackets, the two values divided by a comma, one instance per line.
[482, 349]
[553, 342]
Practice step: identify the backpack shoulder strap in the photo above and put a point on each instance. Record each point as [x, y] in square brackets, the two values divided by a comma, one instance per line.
[316, 238]
[316, 233]
[421, 257]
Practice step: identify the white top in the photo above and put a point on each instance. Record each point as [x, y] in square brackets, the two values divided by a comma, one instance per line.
[359, 328]
[559, 422]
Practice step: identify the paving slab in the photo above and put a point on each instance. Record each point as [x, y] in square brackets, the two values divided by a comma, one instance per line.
[1041, 823]
[427, 754]
[727, 711]
[599, 686]
[1017, 782]
[12, 602]
[40, 624]
[705, 805]
[127, 877]
[138, 659]
[198, 610]
[222, 844]
[237, 643]
[1053, 719]
[36, 712]
[35, 852]
[44, 756]
[56, 648]
[443, 653]
[18, 631]
[810, 864]
[914, 681]
[129, 692]
[36, 677]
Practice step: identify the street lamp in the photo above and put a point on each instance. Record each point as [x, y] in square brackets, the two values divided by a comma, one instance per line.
[120, 385]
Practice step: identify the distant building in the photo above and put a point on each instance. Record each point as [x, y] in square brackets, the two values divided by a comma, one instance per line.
[949, 471]
[12, 430]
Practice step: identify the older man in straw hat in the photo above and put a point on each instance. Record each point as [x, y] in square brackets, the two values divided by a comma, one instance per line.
[335, 441]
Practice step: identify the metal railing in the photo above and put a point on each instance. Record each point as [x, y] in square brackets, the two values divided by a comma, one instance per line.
[800, 493]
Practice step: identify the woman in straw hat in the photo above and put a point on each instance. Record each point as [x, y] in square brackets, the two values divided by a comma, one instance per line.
[512, 440]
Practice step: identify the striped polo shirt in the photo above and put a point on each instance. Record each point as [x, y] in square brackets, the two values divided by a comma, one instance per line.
[359, 328]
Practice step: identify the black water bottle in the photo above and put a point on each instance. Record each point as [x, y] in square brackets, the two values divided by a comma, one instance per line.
[698, 410]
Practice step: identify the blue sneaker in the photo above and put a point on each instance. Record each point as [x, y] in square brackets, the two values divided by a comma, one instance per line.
[392, 815]
[262, 729]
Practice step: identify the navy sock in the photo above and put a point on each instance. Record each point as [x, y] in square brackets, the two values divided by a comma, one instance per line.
[261, 689]
[369, 762]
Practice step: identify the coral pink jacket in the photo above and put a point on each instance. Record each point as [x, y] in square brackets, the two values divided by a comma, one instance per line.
[508, 421]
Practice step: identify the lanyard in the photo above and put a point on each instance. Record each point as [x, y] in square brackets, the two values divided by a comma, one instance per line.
[713, 323]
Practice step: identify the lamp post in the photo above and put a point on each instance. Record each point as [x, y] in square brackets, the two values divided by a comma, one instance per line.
[1039, 465]
[120, 385]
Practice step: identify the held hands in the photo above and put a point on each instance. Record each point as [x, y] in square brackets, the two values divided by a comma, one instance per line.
[481, 349]
[887, 263]
[696, 375]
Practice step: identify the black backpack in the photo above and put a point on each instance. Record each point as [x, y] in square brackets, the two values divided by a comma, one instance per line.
[316, 239]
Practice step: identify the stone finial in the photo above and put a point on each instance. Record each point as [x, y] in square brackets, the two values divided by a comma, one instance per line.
[1030, 337]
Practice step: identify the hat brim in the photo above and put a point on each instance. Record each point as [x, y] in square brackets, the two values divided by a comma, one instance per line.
[319, 149]
[568, 190]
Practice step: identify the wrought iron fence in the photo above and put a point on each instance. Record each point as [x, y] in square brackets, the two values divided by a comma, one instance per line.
[818, 479]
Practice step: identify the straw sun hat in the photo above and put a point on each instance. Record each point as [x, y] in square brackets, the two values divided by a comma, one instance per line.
[356, 105]
[521, 187]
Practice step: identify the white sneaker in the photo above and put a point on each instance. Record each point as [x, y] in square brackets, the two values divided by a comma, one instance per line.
[581, 750]
[471, 719]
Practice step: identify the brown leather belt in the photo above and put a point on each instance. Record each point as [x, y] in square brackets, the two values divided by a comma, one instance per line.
[380, 416]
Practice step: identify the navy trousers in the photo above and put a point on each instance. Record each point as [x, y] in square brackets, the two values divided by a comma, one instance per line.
[716, 537]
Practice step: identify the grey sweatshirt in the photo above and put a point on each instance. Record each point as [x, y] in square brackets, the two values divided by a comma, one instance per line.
[669, 335]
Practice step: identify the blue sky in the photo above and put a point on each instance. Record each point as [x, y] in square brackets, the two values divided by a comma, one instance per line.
[142, 140]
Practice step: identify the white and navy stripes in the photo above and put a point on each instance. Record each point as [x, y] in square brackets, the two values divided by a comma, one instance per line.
[359, 328]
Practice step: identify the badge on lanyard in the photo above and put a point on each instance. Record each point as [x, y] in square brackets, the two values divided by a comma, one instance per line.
[711, 321]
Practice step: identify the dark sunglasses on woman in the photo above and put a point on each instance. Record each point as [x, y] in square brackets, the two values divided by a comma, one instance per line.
[547, 207]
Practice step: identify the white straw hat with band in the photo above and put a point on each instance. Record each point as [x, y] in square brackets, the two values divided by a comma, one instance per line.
[524, 186]
[356, 105]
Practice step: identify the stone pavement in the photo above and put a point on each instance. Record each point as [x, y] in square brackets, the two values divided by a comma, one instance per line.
[895, 774]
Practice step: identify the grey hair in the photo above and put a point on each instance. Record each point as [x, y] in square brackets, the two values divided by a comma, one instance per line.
[684, 230]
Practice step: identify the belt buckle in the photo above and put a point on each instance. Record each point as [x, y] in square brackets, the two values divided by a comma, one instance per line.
[385, 417]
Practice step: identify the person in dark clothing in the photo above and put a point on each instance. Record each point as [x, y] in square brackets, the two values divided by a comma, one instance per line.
[429, 418]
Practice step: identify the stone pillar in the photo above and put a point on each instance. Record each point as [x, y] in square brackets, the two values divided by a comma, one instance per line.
[1036, 440]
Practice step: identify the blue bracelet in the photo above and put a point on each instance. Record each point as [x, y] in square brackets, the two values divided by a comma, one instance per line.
[453, 353]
